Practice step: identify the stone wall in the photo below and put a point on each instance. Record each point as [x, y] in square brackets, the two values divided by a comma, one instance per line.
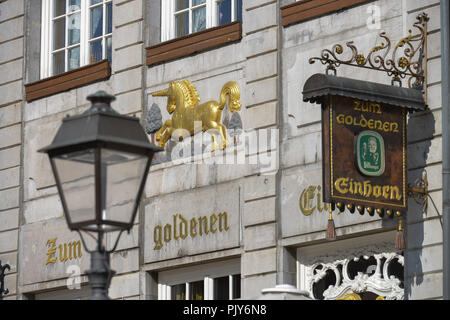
[270, 64]
[423, 280]
[423, 257]
[41, 204]
[11, 136]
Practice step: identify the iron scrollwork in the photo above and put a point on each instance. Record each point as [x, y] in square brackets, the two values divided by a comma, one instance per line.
[406, 59]
[3, 269]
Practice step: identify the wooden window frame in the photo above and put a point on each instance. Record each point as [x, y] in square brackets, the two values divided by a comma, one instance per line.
[168, 14]
[206, 273]
[194, 43]
[46, 68]
[69, 80]
[304, 10]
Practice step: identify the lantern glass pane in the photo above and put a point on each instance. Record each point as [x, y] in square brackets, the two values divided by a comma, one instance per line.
[123, 173]
[76, 173]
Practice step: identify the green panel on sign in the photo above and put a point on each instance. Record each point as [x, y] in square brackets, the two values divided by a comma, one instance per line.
[370, 153]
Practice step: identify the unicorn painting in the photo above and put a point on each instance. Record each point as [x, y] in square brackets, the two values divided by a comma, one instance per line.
[182, 103]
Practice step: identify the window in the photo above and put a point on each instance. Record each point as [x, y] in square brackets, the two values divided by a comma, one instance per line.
[75, 33]
[221, 288]
[183, 17]
[215, 281]
[372, 271]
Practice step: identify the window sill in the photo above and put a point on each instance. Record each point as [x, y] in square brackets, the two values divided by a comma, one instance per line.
[194, 43]
[309, 9]
[69, 80]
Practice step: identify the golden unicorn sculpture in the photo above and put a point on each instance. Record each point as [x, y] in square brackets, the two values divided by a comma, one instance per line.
[182, 99]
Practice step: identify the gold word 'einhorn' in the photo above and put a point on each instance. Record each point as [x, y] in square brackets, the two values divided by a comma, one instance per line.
[182, 99]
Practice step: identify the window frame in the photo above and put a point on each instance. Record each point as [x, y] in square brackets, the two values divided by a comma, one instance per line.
[168, 14]
[206, 273]
[46, 65]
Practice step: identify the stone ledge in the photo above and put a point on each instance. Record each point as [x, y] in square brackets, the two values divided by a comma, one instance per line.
[194, 43]
[68, 80]
[309, 9]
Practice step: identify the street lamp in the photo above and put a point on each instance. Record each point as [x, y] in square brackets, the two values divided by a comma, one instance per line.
[100, 160]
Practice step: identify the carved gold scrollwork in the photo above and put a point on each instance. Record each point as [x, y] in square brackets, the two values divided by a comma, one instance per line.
[406, 59]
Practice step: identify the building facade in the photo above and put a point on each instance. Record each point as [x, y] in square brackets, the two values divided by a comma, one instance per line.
[210, 225]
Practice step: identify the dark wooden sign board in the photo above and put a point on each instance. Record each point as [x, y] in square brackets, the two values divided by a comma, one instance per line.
[363, 140]
[364, 153]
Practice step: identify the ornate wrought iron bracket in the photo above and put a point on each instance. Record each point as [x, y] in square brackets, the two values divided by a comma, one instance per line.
[407, 59]
[3, 268]
[419, 191]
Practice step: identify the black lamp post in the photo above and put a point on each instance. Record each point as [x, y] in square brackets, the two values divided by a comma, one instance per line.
[100, 160]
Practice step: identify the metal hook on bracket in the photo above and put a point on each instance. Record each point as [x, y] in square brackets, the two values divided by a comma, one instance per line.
[419, 191]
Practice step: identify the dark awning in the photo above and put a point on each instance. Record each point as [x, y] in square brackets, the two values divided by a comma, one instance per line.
[319, 86]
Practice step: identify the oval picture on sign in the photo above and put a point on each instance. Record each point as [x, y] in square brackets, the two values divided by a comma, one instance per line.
[370, 155]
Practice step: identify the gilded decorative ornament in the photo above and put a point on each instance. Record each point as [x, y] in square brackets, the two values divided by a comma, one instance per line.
[360, 60]
[182, 99]
[403, 62]
[381, 58]
[351, 296]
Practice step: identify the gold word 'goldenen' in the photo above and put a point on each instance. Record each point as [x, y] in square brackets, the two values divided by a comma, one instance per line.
[181, 228]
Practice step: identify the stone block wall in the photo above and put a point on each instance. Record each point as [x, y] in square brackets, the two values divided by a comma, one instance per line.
[423, 256]
[41, 119]
[11, 136]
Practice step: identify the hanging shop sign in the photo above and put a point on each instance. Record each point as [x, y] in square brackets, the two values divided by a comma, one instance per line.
[361, 138]
[364, 125]
[364, 141]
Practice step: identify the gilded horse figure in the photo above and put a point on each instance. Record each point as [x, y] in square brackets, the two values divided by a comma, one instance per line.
[182, 99]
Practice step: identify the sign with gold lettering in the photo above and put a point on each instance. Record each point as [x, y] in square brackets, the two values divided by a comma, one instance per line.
[365, 145]
[50, 250]
[192, 222]
[363, 141]
[181, 228]
[303, 211]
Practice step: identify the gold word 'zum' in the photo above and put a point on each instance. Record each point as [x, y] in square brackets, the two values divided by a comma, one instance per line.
[181, 228]
[311, 199]
[67, 251]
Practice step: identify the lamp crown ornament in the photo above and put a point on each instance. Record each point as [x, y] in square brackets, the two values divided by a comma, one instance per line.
[101, 102]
